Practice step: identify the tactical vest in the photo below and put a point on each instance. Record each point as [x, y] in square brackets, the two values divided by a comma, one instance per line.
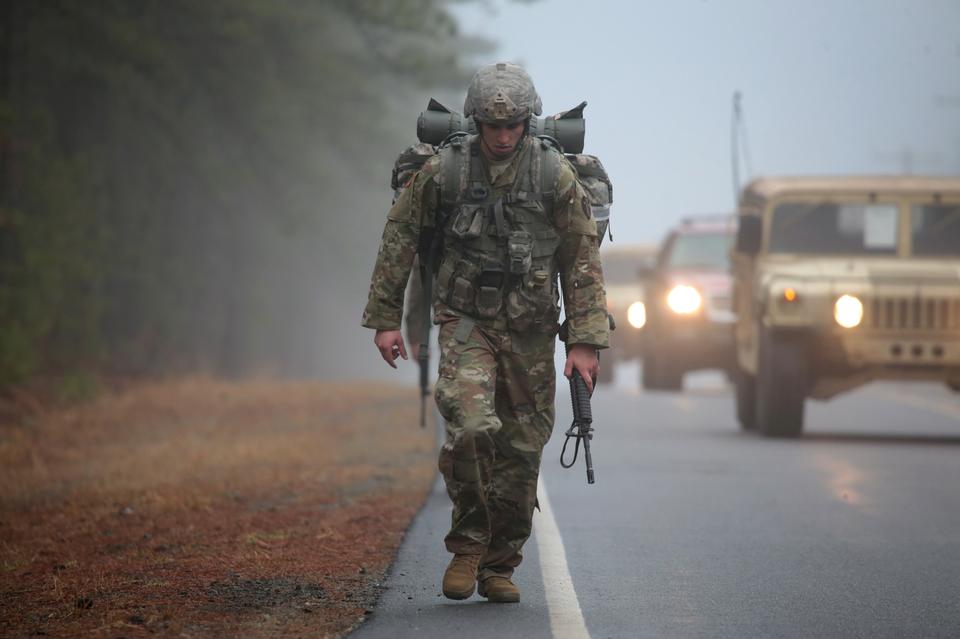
[498, 252]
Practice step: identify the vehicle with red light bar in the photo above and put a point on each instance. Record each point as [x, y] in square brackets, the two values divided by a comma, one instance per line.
[688, 303]
[840, 281]
[624, 266]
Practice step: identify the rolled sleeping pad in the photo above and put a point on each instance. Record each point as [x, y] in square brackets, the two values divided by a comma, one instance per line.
[438, 122]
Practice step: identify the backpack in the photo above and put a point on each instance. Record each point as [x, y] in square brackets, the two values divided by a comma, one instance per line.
[410, 160]
[438, 125]
[596, 182]
[590, 173]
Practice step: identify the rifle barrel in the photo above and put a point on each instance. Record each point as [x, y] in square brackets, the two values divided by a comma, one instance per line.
[589, 458]
[423, 359]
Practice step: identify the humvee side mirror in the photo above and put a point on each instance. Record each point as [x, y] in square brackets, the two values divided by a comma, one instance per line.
[749, 235]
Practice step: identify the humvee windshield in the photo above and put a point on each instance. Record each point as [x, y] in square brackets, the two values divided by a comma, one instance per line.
[830, 228]
[936, 229]
[701, 250]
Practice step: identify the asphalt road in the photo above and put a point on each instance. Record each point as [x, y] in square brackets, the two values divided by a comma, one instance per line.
[695, 529]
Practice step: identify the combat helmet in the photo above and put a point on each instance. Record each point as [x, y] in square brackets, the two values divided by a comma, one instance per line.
[502, 93]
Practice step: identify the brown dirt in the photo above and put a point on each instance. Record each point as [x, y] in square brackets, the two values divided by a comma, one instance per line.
[206, 509]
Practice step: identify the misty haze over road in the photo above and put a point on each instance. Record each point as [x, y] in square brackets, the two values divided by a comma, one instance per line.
[828, 88]
[194, 192]
[208, 183]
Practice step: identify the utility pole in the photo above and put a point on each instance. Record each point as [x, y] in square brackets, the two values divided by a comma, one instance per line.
[738, 143]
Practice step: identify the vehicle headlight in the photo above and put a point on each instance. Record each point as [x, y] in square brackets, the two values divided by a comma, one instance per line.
[684, 300]
[637, 315]
[848, 311]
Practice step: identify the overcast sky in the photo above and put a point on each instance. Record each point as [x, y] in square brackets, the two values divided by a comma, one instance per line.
[829, 87]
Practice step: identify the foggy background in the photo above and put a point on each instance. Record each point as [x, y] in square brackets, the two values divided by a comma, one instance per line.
[202, 186]
[868, 86]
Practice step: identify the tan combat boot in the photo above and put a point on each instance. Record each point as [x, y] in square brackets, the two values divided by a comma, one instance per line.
[499, 590]
[461, 576]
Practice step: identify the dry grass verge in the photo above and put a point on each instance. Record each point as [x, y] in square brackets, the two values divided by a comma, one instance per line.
[207, 509]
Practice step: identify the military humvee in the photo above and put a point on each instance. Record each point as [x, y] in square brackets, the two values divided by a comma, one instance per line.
[689, 314]
[840, 281]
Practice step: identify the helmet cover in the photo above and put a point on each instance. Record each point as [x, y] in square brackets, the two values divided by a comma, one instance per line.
[502, 93]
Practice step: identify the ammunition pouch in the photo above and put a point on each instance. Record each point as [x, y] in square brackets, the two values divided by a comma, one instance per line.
[489, 293]
[534, 304]
[520, 252]
[468, 221]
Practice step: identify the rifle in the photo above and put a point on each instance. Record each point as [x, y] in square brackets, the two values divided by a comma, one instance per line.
[423, 359]
[582, 426]
[427, 253]
[423, 353]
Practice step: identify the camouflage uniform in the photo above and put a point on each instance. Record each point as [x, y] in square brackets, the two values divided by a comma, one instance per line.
[496, 383]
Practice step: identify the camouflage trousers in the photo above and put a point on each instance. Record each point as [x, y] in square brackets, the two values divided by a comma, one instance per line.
[496, 392]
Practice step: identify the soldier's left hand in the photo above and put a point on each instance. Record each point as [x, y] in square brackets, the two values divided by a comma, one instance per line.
[391, 346]
[584, 358]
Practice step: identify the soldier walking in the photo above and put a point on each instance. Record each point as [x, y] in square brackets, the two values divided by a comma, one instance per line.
[513, 229]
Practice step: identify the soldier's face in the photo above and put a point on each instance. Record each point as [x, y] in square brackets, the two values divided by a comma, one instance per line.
[498, 141]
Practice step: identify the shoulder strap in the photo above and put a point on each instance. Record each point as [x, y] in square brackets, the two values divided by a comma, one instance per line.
[549, 166]
[454, 155]
[454, 160]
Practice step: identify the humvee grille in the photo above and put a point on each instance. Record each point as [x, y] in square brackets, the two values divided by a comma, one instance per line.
[903, 313]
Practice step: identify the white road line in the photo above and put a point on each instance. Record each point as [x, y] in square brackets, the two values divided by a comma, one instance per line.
[566, 619]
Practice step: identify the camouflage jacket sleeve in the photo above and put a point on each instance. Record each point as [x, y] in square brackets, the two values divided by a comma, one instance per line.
[398, 247]
[413, 317]
[581, 275]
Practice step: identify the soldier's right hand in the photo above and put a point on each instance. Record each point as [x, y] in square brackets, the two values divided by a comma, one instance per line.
[390, 344]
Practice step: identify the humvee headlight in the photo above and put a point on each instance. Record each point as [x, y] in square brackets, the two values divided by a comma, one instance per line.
[790, 294]
[684, 300]
[637, 315]
[848, 311]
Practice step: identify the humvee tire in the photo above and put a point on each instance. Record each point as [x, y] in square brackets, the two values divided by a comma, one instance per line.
[658, 373]
[781, 384]
[746, 398]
